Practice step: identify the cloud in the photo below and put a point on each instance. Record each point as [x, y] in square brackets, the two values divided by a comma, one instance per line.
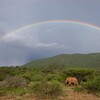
[46, 39]
[46, 45]
[12, 53]
[37, 43]
[28, 41]
[49, 30]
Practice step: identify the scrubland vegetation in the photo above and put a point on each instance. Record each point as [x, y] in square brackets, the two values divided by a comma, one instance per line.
[46, 82]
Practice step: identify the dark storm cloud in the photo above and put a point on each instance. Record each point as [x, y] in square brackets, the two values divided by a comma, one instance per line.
[48, 39]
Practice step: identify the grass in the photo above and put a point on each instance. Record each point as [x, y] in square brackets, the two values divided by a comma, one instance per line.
[47, 83]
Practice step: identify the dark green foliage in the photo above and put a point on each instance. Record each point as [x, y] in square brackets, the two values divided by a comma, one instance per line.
[81, 74]
[10, 71]
[79, 88]
[5, 71]
[93, 85]
[47, 77]
[47, 89]
[34, 75]
[14, 91]
[54, 67]
[68, 60]
[50, 77]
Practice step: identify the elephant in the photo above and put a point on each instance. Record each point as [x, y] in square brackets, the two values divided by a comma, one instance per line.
[71, 81]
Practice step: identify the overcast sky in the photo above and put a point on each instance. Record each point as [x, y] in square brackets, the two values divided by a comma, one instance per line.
[47, 39]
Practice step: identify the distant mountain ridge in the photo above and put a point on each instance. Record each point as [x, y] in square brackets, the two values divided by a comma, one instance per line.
[91, 60]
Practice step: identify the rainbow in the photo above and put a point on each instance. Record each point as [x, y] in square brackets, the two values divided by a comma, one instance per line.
[51, 21]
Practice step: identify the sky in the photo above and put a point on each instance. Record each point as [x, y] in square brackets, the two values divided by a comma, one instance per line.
[54, 35]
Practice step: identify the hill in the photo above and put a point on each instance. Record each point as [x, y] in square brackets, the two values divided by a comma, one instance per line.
[91, 60]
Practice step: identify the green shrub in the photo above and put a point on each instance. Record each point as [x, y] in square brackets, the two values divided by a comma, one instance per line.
[2, 77]
[8, 71]
[18, 91]
[92, 86]
[37, 77]
[78, 88]
[49, 77]
[33, 76]
[82, 75]
[47, 89]
[26, 76]
[14, 91]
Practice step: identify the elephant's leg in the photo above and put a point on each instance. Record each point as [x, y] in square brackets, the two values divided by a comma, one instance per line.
[69, 84]
[65, 84]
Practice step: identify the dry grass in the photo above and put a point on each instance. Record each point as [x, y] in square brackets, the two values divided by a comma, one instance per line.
[70, 95]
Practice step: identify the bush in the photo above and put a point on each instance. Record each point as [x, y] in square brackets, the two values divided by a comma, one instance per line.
[79, 89]
[82, 75]
[47, 89]
[33, 76]
[14, 91]
[37, 77]
[11, 82]
[92, 86]
[49, 77]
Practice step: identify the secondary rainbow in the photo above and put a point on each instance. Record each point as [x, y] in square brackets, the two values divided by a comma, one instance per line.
[51, 21]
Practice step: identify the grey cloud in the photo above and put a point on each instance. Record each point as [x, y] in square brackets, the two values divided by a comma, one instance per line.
[47, 39]
[27, 45]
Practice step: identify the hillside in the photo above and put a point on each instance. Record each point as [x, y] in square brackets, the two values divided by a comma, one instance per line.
[68, 60]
